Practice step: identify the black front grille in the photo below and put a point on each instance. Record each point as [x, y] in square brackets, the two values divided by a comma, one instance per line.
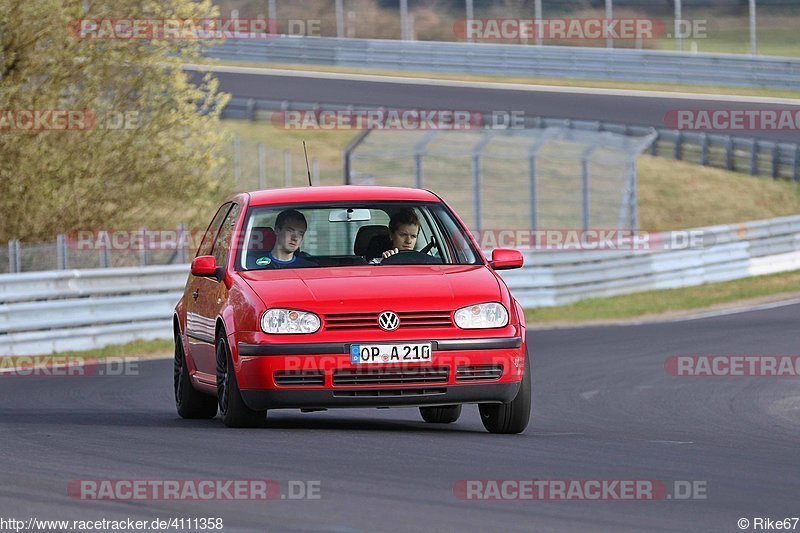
[478, 372]
[387, 393]
[391, 376]
[299, 378]
[408, 319]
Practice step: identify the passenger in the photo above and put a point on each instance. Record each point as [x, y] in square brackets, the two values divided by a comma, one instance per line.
[290, 228]
[403, 232]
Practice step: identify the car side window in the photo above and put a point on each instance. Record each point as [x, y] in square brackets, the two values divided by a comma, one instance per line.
[213, 229]
[223, 241]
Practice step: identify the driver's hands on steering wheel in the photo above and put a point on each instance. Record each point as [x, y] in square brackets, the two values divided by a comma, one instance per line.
[389, 253]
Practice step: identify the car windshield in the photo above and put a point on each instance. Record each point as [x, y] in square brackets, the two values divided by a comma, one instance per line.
[376, 233]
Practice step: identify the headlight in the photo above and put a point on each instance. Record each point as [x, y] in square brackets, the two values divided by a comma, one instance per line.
[480, 316]
[289, 321]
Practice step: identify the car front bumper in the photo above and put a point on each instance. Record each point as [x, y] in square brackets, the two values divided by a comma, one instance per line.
[260, 399]
[326, 378]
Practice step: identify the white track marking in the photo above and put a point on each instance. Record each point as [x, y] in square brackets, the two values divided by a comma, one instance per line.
[589, 394]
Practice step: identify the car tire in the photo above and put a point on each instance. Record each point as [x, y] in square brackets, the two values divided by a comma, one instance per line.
[511, 417]
[190, 402]
[445, 414]
[235, 413]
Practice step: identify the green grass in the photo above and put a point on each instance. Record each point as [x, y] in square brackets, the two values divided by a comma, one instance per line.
[679, 195]
[775, 36]
[132, 349]
[664, 301]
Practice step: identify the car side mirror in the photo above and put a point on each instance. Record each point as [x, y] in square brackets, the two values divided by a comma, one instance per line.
[506, 259]
[204, 266]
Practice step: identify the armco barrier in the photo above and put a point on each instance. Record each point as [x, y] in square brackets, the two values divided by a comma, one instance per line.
[57, 311]
[520, 60]
[46, 312]
[738, 251]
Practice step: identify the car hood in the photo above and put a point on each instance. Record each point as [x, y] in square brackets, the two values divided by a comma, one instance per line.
[375, 288]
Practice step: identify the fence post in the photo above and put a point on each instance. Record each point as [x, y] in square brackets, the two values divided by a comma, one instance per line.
[797, 162]
[776, 162]
[251, 109]
[287, 168]
[704, 149]
[585, 184]
[182, 244]
[532, 191]
[585, 192]
[340, 19]
[62, 254]
[754, 159]
[418, 170]
[729, 153]
[632, 198]
[404, 29]
[419, 153]
[262, 167]
[476, 189]
[348, 153]
[143, 248]
[237, 160]
[105, 253]
[476, 176]
[14, 260]
[752, 9]
[679, 146]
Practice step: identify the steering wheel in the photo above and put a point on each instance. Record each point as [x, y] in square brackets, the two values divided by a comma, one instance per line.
[430, 245]
[411, 257]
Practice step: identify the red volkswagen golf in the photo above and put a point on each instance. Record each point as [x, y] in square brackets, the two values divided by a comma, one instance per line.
[324, 297]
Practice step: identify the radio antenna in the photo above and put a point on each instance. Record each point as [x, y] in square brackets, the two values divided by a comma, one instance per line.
[308, 169]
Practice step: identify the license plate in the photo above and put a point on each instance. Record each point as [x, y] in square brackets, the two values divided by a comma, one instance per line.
[366, 354]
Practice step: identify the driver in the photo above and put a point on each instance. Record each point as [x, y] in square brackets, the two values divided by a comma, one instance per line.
[403, 232]
[290, 228]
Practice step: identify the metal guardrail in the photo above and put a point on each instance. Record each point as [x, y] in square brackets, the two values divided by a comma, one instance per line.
[520, 60]
[752, 156]
[57, 311]
[46, 312]
[736, 251]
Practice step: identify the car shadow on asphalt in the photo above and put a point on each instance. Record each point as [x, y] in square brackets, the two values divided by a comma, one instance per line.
[284, 421]
[364, 424]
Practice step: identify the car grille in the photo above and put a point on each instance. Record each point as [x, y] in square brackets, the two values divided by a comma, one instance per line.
[387, 393]
[391, 376]
[299, 378]
[478, 372]
[408, 319]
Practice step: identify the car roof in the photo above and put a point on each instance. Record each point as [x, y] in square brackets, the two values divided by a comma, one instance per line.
[341, 193]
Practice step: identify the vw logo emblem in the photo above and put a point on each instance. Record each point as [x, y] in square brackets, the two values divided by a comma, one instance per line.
[388, 321]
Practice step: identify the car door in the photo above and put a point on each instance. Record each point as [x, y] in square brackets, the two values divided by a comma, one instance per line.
[198, 298]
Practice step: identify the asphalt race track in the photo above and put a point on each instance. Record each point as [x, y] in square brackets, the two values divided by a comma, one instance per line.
[620, 108]
[604, 408]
